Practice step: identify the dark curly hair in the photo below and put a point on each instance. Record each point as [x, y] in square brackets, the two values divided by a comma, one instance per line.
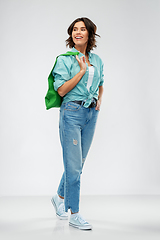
[90, 26]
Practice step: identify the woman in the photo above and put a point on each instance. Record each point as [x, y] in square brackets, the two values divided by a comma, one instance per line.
[79, 80]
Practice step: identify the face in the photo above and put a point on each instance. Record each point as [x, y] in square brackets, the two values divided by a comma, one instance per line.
[80, 34]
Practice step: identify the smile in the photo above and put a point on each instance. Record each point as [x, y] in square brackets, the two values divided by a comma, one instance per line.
[78, 37]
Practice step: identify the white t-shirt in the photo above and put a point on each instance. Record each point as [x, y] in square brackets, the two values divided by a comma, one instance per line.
[90, 77]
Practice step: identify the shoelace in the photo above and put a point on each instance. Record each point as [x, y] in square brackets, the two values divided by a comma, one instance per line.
[80, 218]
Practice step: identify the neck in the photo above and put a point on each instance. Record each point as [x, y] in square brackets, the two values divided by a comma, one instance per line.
[81, 49]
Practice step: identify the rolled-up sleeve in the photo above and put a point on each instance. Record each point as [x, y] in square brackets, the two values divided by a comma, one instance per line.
[61, 73]
[101, 76]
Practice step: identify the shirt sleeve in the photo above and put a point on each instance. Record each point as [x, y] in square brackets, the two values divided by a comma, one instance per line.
[61, 73]
[101, 76]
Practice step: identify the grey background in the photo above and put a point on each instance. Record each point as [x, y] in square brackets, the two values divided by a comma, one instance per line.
[124, 157]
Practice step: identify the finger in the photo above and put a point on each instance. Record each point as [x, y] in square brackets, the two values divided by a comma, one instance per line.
[77, 58]
[83, 58]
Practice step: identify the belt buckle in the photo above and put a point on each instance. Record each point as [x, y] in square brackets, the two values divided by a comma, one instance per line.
[93, 104]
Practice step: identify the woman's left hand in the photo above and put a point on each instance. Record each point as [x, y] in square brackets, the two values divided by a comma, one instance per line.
[98, 105]
[99, 98]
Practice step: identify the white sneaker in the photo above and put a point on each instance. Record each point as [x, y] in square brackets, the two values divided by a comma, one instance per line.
[77, 221]
[58, 204]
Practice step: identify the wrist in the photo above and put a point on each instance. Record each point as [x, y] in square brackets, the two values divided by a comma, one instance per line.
[82, 72]
[100, 99]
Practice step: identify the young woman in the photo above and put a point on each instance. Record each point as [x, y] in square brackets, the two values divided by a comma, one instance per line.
[79, 80]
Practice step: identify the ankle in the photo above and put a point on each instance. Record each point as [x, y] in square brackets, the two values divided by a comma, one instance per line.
[60, 196]
[60, 199]
[74, 213]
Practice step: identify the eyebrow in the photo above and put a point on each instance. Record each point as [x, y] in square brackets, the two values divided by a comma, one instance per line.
[80, 27]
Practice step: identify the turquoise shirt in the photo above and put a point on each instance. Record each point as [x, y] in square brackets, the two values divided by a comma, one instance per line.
[67, 67]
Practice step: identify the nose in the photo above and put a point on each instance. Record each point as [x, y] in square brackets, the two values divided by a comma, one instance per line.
[78, 31]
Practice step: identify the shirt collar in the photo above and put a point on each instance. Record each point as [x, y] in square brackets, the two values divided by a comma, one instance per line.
[75, 50]
[81, 54]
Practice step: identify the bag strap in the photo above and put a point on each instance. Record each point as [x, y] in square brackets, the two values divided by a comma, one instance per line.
[69, 53]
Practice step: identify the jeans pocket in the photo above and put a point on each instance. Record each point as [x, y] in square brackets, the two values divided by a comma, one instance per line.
[72, 106]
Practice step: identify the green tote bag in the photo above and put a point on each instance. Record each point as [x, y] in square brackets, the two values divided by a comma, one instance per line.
[52, 98]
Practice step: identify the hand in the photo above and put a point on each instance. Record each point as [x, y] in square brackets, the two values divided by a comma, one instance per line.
[98, 105]
[82, 63]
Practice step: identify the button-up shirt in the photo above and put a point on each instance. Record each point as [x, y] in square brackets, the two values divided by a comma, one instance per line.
[67, 67]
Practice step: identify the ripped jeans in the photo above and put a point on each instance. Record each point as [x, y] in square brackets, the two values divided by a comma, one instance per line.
[76, 128]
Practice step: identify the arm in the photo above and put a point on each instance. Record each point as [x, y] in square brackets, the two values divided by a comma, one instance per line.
[70, 84]
[99, 98]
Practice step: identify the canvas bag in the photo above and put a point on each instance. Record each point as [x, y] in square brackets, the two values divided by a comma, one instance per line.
[52, 98]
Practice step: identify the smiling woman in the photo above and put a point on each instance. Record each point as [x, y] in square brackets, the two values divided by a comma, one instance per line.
[86, 25]
[80, 34]
[79, 80]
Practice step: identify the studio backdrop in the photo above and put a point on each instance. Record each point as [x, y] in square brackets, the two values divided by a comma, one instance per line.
[125, 154]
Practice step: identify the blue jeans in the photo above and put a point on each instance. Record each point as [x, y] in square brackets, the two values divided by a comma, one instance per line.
[76, 128]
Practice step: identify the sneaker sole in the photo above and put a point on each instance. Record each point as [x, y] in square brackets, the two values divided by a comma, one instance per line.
[60, 217]
[80, 227]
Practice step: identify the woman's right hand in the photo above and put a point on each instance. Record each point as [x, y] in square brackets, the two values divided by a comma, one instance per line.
[82, 63]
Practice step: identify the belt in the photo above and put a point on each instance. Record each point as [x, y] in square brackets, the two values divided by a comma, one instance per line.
[93, 103]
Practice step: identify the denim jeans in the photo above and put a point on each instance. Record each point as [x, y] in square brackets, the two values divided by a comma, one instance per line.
[76, 128]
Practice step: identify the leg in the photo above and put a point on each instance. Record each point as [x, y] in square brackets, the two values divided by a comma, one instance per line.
[72, 158]
[61, 187]
[88, 133]
[70, 133]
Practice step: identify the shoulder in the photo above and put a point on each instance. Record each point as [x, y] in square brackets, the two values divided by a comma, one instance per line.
[64, 60]
[63, 57]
